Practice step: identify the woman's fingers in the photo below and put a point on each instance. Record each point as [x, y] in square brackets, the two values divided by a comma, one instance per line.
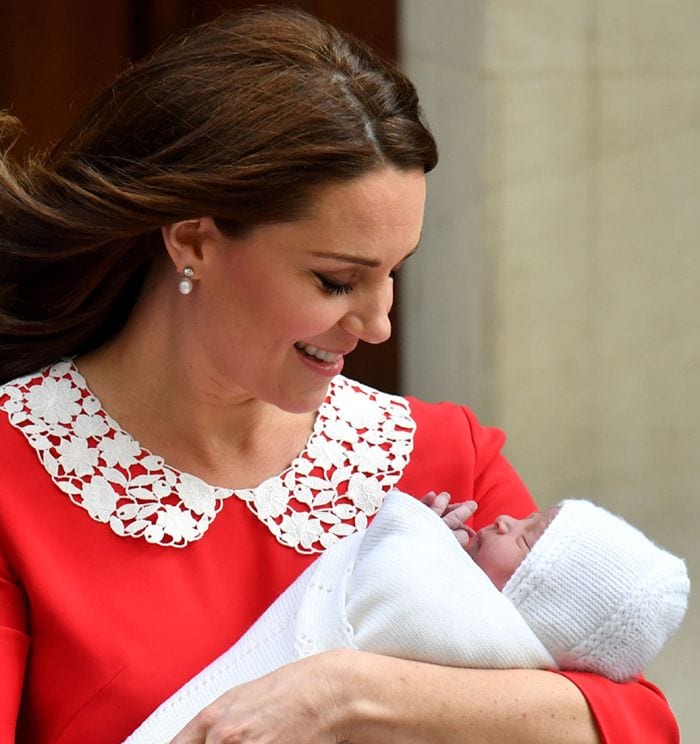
[456, 514]
[296, 704]
[453, 515]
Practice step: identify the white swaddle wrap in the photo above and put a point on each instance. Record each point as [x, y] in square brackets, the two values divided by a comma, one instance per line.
[404, 587]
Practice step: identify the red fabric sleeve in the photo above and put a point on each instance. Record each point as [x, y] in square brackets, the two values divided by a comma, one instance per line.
[628, 712]
[14, 645]
[454, 452]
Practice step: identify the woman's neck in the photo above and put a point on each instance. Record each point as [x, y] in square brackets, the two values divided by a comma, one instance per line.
[157, 392]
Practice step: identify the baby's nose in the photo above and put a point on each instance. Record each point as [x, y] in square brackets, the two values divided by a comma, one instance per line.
[503, 523]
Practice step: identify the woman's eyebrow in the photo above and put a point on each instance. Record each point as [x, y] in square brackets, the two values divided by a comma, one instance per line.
[347, 258]
[359, 260]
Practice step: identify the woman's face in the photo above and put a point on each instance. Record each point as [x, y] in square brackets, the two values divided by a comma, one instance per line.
[499, 548]
[276, 311]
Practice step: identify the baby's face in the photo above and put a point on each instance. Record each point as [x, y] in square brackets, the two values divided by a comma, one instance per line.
[499, 548]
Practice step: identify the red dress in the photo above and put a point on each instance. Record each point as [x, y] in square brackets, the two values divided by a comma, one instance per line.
[102, 617]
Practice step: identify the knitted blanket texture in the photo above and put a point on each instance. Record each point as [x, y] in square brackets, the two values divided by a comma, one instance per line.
[403, 587]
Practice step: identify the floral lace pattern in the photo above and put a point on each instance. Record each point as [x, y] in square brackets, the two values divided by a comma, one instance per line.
[359, 447]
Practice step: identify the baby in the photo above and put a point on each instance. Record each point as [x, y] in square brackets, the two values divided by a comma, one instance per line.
[598, 593]
[573, 587]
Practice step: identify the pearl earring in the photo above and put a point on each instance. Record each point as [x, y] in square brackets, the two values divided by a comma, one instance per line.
[186, 284]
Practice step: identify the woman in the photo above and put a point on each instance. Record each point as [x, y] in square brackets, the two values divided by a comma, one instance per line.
[183, 275]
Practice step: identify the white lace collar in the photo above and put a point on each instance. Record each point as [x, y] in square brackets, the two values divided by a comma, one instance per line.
[358, 450]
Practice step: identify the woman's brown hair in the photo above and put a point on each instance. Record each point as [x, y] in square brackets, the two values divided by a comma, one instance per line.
[239, 119]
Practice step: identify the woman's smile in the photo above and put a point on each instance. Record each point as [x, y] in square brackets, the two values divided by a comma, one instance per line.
[355, 235]
[325, 363]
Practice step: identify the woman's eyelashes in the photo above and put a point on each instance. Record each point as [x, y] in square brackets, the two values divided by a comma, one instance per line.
[332, 287]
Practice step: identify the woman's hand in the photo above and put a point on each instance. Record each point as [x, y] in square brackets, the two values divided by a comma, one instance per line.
[344, 696]
[300, 703]
[453, 515]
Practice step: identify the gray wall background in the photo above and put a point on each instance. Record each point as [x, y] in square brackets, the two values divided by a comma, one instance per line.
[558, 288]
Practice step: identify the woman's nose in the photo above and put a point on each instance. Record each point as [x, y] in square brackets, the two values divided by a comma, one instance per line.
[377, 329]
[369, 320]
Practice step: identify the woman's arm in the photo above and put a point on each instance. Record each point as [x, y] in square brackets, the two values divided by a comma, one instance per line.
[352, 696]
[454, 453]
[472, 705]
[363, 698]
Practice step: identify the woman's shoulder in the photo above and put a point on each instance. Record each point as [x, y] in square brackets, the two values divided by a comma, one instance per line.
[345, 390]
[441, 413]
[32, 407]
[441, 428]
[58, 369]
[50, 393]
[452, 450]
[14, 394]
[442, 421]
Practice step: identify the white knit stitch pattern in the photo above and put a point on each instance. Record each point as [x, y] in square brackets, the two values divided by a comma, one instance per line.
[403, 587]
[598, 593]
[360, 445]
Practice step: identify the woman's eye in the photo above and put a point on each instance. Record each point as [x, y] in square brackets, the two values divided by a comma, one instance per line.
[334, 288]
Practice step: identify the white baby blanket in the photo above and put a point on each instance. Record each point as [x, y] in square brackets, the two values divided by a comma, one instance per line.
[403, 587]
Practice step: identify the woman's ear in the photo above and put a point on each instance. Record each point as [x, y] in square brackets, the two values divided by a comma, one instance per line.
[185, 241]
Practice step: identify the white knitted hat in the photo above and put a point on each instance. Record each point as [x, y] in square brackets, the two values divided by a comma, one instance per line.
[598, 593]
